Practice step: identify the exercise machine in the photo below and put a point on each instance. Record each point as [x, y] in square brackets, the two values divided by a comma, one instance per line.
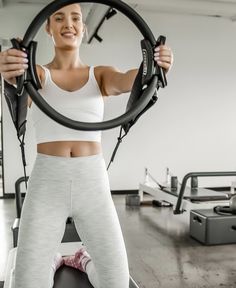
[185, 198]
[64, 277]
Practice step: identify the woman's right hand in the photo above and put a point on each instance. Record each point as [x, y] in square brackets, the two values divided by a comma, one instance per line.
[13, 63]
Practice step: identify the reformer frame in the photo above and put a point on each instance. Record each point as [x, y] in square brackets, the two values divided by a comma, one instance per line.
[178, 198]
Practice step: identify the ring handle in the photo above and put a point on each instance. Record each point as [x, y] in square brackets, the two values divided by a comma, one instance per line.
[19, 79]
[146, 93]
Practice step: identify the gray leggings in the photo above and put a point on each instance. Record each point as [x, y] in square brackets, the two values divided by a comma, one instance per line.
[61, 187]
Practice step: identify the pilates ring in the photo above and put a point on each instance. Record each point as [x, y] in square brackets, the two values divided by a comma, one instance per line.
[30, 81]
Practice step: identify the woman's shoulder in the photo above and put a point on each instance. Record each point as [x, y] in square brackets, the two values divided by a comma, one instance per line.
[101, 71]
[104, 69]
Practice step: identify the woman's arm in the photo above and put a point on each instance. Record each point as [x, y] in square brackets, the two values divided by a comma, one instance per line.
[114, 82]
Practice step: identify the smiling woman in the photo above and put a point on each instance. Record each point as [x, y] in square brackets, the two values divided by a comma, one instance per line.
[69, 168]
[72, 19]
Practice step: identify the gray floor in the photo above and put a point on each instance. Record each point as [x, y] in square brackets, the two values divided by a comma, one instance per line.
[160, 251]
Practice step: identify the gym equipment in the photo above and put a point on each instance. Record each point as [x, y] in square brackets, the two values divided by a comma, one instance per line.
[65, 276]
[187, 198]
[205, 197]
[227, 210]
[210, 228]
[140, 100]
[132, 200]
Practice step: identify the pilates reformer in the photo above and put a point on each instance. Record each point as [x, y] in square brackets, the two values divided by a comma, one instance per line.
[185, 198]
[65, 276]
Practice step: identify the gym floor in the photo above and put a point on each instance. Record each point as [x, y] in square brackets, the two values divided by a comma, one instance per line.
[160, 251]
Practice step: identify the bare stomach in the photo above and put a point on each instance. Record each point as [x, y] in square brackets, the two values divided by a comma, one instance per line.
[70, 148]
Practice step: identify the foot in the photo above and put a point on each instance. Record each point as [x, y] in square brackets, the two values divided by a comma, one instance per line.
[79, 260]
[58, 261]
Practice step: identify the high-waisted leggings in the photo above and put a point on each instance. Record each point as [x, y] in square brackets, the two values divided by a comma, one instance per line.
[61, 187]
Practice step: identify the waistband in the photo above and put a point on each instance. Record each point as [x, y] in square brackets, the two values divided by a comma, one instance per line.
[42, 156]
[66, 168]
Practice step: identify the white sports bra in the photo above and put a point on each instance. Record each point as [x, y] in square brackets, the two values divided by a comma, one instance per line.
[85, 105]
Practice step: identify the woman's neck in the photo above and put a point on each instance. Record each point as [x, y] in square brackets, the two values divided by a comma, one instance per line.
[66, 60]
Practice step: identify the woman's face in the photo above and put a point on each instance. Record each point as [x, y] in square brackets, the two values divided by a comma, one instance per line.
[66, 27]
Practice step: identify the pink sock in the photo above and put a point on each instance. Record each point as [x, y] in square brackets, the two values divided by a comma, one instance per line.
[79, 260]
[58, 261]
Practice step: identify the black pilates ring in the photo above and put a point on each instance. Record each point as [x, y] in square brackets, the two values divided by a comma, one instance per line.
[31, 88]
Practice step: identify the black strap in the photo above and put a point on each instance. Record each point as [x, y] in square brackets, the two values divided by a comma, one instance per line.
[22, 146]
[134, 96]
[18, 106]
[117, 146]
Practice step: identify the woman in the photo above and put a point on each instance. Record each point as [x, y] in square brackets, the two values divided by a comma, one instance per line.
[69, 177]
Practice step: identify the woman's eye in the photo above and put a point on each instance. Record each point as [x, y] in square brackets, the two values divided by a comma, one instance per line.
[58, 19]
[76, 19]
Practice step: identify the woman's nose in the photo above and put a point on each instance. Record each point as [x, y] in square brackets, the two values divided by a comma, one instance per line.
[68, 23]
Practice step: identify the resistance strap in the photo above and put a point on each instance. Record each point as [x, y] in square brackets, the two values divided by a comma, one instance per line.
[134, 96]
[18, 106]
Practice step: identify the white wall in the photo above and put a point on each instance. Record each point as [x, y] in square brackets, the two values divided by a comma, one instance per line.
[191, 128]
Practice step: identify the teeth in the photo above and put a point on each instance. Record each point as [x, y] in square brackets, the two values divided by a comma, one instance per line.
[68, 34]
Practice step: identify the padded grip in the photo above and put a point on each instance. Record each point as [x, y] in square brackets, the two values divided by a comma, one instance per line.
[162, 82]
[20, 79]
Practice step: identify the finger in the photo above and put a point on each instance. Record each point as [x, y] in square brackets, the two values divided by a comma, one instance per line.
[14, 52]
[164, 65]
[162, 47]
[163, 53]
[12, 74]
[13, 67]
[14, 59]
[166, 59]
[163, 57]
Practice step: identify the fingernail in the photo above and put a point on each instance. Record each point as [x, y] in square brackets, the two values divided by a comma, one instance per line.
[24, 55]
[25, 60]
[25, 65]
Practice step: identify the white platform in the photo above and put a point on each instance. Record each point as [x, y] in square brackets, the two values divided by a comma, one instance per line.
[65, 250]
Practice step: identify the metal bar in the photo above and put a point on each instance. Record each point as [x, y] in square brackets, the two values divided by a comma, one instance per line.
[95, 33]
[1, 123]
[19, 195]
[132, 283]
[197, 174]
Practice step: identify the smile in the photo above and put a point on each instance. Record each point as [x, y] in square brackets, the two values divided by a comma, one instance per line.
[68, 35]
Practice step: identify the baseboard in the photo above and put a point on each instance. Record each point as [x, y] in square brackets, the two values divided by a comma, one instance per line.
[8, 196]
[219, 189]
[113, 192]
[124, 192]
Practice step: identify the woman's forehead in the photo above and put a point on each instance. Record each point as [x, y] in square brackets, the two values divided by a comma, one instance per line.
[72, 8]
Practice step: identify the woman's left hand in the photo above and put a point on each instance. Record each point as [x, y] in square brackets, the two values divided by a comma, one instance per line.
[164, 57]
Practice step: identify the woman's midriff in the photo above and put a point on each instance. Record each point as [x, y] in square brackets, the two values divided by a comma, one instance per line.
[70, 148]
